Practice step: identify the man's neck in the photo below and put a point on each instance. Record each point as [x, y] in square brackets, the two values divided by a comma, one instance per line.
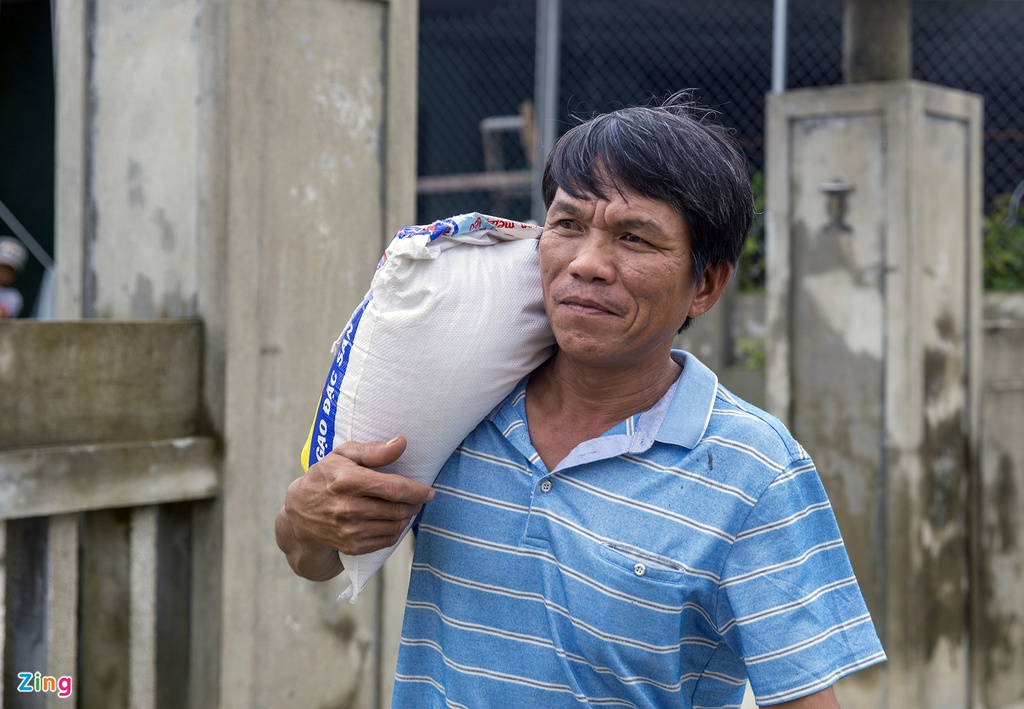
[568, 403]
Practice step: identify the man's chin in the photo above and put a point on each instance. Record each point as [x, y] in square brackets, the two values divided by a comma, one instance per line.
[607, 350]
[590, 351]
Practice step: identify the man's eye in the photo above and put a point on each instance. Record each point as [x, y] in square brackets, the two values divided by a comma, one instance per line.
[633, 239]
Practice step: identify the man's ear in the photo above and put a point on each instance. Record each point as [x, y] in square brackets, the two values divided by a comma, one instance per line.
[716, 278]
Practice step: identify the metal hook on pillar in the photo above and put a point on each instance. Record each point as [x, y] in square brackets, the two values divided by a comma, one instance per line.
[836, 193]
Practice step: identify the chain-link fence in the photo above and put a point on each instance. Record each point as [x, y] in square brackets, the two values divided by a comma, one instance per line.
[477, 63]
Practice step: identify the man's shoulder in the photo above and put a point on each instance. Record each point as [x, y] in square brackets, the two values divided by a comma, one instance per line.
[736, 447]
[735, 421]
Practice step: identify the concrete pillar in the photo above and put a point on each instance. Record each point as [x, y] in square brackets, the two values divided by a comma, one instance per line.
[999, 534]
[320, 119]
[244, 162]
[877, 40]
[874, 297]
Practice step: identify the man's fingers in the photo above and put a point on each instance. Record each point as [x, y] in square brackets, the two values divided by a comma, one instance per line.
[398, 489]
[366, 482]
[373, 454]
[371, 507]
[378, 536]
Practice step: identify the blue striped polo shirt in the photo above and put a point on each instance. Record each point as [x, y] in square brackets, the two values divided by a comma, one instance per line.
[664, 563]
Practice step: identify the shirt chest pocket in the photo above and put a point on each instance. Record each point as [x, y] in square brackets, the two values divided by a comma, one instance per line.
[644, 565]
[611, 574]
[648, 581]
[633, 610]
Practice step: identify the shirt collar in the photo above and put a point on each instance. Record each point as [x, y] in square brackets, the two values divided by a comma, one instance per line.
[680, 418]
[689, 412]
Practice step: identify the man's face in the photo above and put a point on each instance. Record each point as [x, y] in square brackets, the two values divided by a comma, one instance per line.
[617, 277]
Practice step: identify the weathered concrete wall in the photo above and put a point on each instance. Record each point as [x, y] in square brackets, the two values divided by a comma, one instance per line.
[874, 332]
[999, 542]
[145, 123]
[244, 162]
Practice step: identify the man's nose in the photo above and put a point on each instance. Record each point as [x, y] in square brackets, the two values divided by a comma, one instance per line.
[593, 260]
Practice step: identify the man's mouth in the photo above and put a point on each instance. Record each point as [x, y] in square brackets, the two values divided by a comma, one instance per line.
[586, 305]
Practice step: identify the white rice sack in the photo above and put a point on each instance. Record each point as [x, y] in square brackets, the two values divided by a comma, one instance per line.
[454, 318]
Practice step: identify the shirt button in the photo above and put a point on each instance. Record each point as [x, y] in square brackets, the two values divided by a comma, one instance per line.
[545, 486]
[639, 569]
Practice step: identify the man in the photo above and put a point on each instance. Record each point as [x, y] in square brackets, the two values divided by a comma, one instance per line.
[621, 531]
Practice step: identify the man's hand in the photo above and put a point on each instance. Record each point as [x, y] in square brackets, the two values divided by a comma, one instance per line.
[342, 504]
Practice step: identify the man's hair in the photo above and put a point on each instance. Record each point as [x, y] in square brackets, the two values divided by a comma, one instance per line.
[673, 152]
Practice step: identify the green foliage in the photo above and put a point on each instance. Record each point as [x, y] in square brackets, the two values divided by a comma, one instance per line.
[750, 354]
[752, 258]
[1003, 244]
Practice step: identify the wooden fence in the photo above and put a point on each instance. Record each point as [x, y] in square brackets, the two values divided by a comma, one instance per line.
[107, 489]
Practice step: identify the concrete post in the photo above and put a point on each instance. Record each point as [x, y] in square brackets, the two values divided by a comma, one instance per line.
[244, 162]
[876, 40]
[873, 208]
[999, 534]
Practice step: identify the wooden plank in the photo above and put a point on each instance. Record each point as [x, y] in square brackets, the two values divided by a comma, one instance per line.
[174, 605]
[510, 182]
[62, 604]
[142, 555]
[25, 631]
[99, 381]
[207, 591]
[104, 660]
[60, 479]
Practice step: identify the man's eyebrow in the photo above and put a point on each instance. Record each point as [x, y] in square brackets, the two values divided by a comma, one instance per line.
[566, 207]
[639, 224]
